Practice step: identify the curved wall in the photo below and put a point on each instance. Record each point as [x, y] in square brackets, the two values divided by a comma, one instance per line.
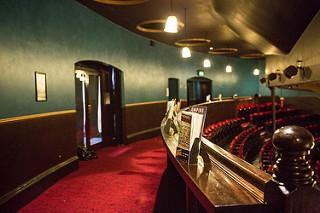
[50, 36]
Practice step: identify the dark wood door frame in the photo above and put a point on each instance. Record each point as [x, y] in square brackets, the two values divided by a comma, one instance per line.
[112, 117]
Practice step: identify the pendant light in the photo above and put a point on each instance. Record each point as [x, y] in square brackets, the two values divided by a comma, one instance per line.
[206, 63]
[256, 71]
[186, 53]
[228, 68]
[171, 23]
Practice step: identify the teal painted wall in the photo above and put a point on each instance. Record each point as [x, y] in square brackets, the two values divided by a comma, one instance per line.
[50, 36]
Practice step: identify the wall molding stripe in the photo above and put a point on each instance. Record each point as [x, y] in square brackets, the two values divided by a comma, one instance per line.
[146, 103]
[151, 102]
[6, 197]
[143, 132]
[34, 116]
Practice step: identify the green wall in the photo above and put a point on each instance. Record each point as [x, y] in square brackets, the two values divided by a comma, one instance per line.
[50, 36]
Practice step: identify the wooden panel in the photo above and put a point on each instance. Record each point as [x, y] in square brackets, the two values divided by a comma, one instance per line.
[310, 104]
[31, 145]
[219, 189]
[23, 194]
[143, 118]
[225, 109]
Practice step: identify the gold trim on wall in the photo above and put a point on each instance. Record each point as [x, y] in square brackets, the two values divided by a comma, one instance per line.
[151, 102]
[146, 103]
[33, 116]
[143, 26]
[121, 2]
[192, 42]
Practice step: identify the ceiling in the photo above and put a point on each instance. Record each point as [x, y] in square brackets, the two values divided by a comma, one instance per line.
[269, 27]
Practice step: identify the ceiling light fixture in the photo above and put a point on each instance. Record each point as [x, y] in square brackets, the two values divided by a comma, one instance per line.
[256, 71]
[186, 53]
[228, 68]
[299, 64]
[171, 23]
[206, 63]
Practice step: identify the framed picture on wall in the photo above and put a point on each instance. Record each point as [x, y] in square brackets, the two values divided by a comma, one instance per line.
[41, 86]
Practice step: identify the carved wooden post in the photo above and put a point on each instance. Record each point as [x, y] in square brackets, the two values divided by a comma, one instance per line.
[292, 168]
[293, 189]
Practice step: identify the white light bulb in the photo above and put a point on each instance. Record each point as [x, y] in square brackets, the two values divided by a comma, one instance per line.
[186, 52]
[171, 25]
[228, 68]
[206, 63]
[256, 71]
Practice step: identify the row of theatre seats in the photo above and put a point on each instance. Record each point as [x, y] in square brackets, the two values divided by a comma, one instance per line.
[248, 136]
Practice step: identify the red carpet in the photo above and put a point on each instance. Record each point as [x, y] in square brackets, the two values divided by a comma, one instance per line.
[121, 179]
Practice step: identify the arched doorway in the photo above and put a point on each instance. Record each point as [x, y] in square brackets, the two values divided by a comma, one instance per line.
[99, 104]
[198, 88]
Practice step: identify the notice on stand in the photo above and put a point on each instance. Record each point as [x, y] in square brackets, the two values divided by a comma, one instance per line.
[191, 127]
[170, 121]
[184, 135]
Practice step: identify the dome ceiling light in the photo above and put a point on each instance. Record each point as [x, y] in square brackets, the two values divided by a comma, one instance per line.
[256, 71]
[185, 53]
[206, 63]
[228, 69]
[171, 23]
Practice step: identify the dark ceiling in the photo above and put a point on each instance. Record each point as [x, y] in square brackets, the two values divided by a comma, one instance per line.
[270, 27]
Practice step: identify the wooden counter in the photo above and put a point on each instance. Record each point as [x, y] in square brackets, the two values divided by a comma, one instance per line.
[226, 184]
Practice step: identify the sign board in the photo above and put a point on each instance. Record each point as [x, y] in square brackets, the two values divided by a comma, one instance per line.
[191, 127]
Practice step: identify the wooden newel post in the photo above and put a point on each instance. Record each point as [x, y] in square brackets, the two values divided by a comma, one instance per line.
[292, 168]
[294, 188]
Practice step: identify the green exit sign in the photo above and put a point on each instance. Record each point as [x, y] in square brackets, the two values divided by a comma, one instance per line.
[200, 72]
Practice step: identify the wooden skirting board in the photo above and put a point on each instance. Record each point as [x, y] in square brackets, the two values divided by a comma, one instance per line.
[143, 134]
[38, 150]
[36, 180]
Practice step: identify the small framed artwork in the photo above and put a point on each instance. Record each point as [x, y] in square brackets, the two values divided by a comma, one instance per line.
[41, 86]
